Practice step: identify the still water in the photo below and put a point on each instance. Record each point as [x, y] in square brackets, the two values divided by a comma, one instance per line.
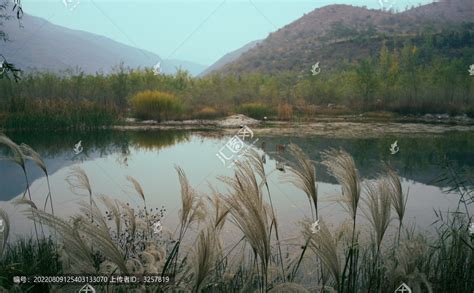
[151, 157]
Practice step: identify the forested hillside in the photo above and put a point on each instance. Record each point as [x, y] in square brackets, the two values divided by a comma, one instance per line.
[337, 34]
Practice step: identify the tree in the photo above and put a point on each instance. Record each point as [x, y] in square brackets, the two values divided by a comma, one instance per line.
[119, 85]
[7, 68]
[384, 71]
[366, 80]
[409, 56]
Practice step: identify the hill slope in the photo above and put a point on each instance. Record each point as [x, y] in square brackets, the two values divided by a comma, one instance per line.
[39, 44]
[229, 57]
[341, 32]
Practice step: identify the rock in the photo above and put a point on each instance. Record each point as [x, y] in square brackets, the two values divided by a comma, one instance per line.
[237, 121]
[442, 116]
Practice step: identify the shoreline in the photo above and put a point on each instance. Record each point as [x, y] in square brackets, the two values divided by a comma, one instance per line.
[373, 125]
[341, 126]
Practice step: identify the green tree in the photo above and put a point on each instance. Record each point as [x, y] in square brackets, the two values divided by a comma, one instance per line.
[120, 85]
[366, 80]
[409, 56]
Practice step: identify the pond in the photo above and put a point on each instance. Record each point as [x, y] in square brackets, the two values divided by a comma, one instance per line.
[151, 157]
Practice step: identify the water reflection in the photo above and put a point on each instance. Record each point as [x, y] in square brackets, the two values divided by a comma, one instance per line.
[150, 156]
[419, 159]
[57, 150]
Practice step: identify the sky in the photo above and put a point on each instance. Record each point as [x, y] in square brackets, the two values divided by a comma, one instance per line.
[192, 30]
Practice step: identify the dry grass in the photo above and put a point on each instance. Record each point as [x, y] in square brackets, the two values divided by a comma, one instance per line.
[30, 154]
[6, 231]
[407, 265]
[397, 197]
[325, 245]
[75, 253]
[220, 210]
[192, 205]
[378, 207]
[285, 112]
[303, 176]
[16, 153]
[79, 182]
[341, 165]
[250, 214]
[205, 256]
[138, 188]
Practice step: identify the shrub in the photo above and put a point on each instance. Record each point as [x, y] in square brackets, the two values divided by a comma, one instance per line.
[255, 110]
[285, 112]
[57, 114]
[156, 105]
[207, 113]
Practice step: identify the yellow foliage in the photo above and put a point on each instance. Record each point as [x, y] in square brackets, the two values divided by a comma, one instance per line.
[207, 112]
[285, 111]
[156, 105]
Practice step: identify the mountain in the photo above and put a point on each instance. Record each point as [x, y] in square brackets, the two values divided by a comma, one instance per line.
[447, 11]
[38, 44]
[337, 34]
[171, 65]
[229, 57]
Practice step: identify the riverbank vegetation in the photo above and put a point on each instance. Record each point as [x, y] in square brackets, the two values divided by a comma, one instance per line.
[155, 105]
[362, 254]
[415, 78]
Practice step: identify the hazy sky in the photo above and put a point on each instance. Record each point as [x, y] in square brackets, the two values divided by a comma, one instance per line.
[198, 31]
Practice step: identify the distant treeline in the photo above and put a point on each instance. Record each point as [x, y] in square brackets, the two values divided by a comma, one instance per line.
[412, 79]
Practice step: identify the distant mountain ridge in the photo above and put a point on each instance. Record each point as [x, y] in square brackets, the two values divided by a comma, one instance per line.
[229, 57]
[335, 33]
[41, 45]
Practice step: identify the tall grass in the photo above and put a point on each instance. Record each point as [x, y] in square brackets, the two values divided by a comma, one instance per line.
[26, 257]
[107, 236]
[251, 215]
[342, 166]
[255, 110]
[56, 114]
[156, 105]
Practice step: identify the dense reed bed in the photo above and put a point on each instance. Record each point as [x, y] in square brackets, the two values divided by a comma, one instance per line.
[108, 236]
